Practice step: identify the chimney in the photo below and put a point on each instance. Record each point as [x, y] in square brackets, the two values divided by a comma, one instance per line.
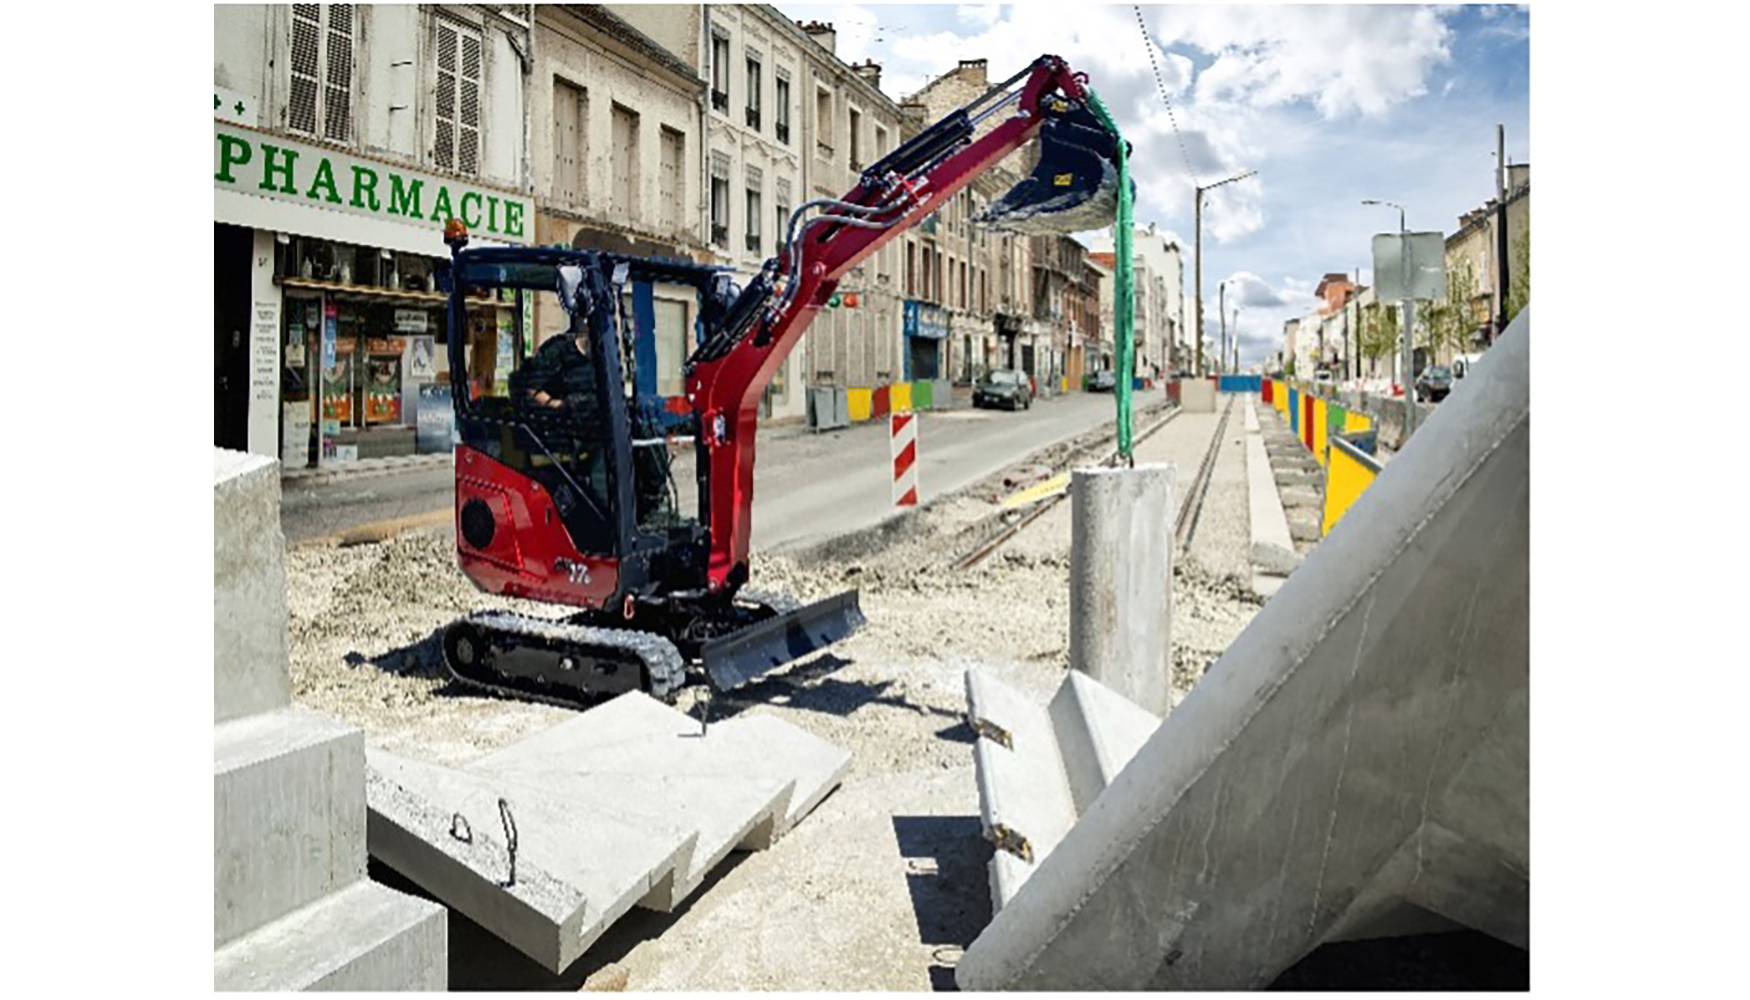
[823, 34]
[869, 71]
[975, 71]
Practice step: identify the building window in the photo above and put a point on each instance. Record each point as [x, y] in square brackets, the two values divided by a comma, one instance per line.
[911, 270]
[782, 215]
[856, 139]
[823, 122]
[880, 143]
[755, 184]
[753, 90]
[720, 72]
[781, 113]
[624, 150]
[570, 141]
[456, 146]
[321, 94]
[720, 200]
[673, 179]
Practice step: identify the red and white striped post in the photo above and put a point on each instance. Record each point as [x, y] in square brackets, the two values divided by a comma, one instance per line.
[903, 432]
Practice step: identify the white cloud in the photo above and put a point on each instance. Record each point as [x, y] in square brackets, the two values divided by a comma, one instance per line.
[981, 14]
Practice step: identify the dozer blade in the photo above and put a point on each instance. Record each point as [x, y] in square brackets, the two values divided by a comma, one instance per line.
[1074, 187]
[737, 658]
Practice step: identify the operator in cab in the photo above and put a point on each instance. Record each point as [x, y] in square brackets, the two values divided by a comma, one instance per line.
[561, 375]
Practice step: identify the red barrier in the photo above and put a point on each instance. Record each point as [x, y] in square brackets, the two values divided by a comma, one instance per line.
[882, 404]
[1269, 394]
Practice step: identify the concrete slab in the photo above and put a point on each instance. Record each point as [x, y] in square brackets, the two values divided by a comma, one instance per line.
[639, 755]
[250, 665]
[579, 867]
[1272, 546]
[1098, 731]
[1120, 581]
[365, 937]
[1362, 745]
[1024, 798]
[288, 816]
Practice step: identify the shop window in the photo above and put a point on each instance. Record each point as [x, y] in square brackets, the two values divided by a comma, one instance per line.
[320, 99]
[456, 143]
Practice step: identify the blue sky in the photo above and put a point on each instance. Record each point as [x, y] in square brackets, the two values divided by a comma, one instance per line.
[1330, 104]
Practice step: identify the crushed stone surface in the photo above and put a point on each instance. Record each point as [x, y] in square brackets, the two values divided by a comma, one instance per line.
[364, 626]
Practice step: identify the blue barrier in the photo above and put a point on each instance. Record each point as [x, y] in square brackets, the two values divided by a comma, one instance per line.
[1241, 383]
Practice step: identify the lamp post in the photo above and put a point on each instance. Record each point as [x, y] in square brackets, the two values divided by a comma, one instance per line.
[1409, 309]
[1197, 226]
[1221, 311]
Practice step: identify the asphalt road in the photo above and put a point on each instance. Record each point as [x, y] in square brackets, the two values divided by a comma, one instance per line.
[806, 485]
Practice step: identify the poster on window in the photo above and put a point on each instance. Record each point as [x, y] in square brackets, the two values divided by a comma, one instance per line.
[422, 362]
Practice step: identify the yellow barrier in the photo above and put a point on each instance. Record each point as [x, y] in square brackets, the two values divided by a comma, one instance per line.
[859, 403]
[1280, 398]
[1348, 476]
[1321, 437]
[1357, 421]
[1066, 383]
[899, 397]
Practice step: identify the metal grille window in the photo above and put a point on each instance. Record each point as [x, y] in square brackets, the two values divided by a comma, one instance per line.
[460, 54]
[320, 102]
[720, 72]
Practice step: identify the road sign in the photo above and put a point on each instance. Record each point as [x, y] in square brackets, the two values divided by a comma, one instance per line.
[1426, 260]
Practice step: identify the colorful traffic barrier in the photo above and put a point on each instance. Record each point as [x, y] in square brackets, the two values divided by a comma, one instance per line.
[1320, 429]
[1269, 391]
[923, 394]
[882, 401]
[1348, 475]
[859, 404]
[900, 397]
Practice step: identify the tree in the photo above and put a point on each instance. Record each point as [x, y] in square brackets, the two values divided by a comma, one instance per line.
[1450, 323]
[1519, 285]
[1379, 332]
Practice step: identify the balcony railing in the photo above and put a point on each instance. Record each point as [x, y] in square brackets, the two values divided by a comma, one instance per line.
[720, 234]
[783, 132]
[753, 118]
[720, 100]
[823, 149]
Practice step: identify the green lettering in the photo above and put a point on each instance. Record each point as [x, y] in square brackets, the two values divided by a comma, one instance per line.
[404, 200]
[364, 181]
[269, 168]
[513, 218]
[324, 179]
[229, 147]
[492, 213]
[441, 212]
[473, 223]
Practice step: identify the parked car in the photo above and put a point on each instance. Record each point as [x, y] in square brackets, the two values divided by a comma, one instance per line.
[1323, 377]
[1433, 384]
[1103, 381]
[1001, 387]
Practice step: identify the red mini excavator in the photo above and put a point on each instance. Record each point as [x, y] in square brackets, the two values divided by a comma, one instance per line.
[566, 488]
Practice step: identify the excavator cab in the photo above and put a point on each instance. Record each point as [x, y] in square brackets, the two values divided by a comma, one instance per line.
[1074, 185]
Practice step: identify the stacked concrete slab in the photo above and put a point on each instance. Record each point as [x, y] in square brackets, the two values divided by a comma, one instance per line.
[1272, 546]
[1354, 765]
[292, 909]
[628, 804]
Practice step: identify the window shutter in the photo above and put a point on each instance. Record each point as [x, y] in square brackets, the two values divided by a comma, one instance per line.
[306, 67]
[337, 97]
[456, 145]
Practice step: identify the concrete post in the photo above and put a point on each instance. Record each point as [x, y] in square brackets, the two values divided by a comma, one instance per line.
[1121, 580]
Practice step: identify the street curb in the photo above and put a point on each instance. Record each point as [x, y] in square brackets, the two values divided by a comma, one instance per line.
[366, 469]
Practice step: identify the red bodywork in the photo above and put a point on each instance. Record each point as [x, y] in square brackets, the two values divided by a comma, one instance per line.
[528, 530]
[725, 392]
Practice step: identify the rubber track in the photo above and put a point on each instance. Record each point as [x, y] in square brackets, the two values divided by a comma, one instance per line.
[662, 661]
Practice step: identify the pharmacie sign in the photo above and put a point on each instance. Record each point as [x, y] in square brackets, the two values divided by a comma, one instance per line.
[271, 166]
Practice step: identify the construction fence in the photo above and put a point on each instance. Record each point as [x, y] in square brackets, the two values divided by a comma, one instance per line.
[1342, 439]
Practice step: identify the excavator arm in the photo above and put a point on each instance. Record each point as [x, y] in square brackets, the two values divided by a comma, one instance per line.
[727, 374]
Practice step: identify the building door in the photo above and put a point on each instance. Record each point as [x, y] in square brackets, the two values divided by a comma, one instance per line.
[232, 247]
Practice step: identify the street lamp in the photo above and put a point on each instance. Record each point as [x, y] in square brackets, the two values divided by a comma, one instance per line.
[1198, 237]
[1221, 310]
[1409, 313]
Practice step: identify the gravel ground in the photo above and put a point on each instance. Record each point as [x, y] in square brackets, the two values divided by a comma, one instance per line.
[885, 882]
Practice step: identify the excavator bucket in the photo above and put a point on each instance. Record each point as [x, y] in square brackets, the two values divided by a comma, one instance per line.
[789, 634]
[1074, 187]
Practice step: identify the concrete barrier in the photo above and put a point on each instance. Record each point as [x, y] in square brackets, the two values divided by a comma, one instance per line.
[1356, 759]
[292, 908]
[1197, 395]
[1121, 573]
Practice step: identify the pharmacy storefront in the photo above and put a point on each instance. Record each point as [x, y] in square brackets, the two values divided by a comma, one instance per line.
[330, 334]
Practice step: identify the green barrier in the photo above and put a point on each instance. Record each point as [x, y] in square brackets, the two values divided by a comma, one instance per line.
[923, 393]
